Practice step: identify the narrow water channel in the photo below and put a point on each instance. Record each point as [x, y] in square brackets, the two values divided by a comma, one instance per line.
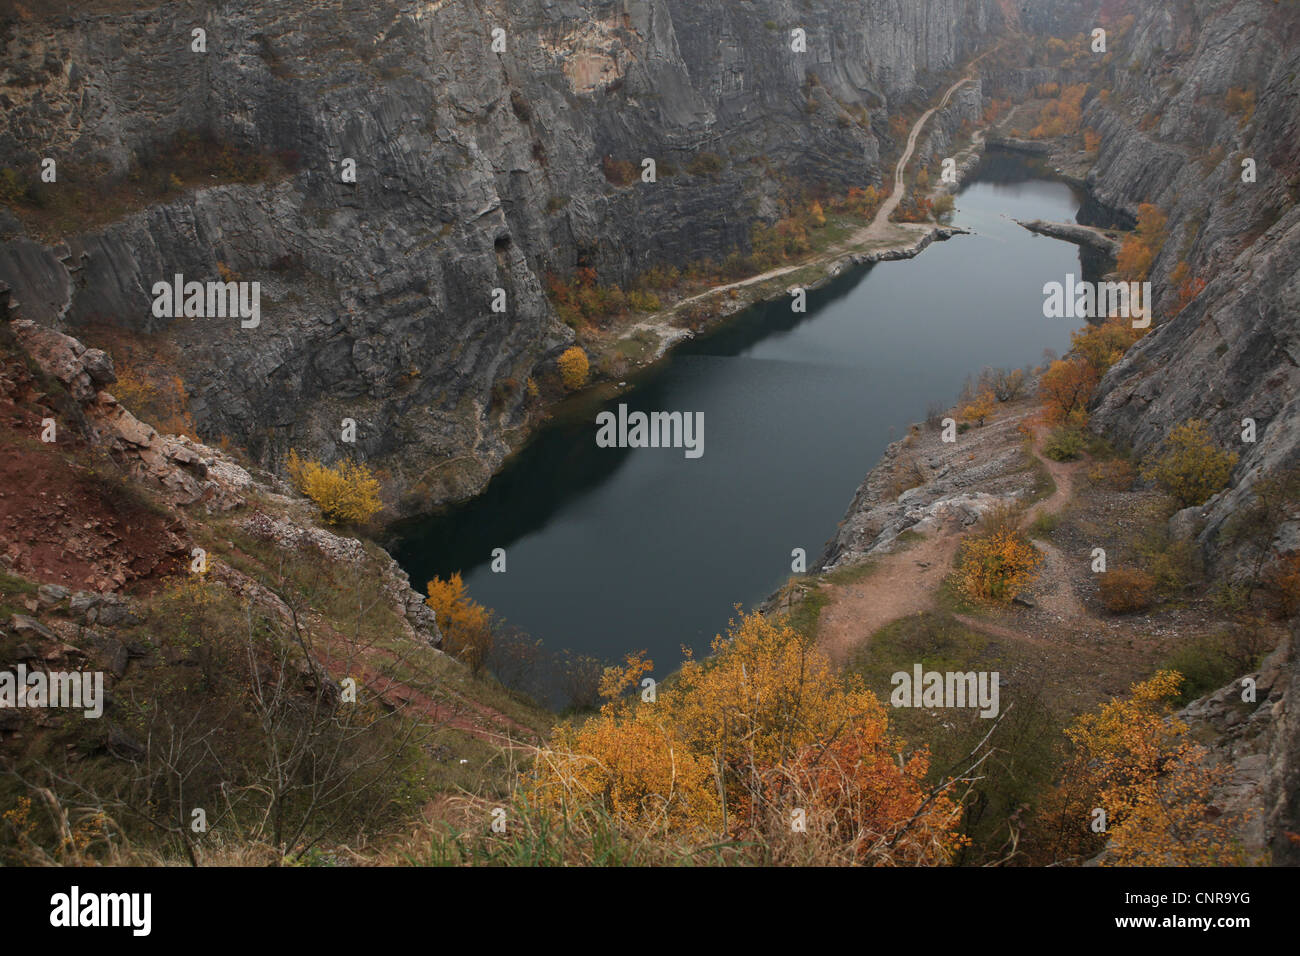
[614, 550]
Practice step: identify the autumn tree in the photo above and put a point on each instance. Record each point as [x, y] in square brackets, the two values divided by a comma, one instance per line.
[1006, 384]
[1139, 766]
[1191, 467]
[980, 408]
[1104, 344]
[1065, 390]
[1143, 244]
[862, 202]
[465, 624]
[574, 368]
[1061, 116]
[345, 492]
[764, 726]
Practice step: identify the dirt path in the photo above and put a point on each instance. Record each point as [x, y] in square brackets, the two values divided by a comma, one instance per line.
[880, 223]
[906, 582]
[880, 229]
[463, 714]
[902, 583]
[1055, 594]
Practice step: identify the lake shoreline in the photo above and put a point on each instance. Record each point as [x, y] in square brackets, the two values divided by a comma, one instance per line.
[800, 408]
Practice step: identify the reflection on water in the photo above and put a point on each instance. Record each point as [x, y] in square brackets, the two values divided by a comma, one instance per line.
[613, 550]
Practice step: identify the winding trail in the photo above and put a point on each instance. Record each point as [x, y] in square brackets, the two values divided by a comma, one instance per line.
[906, 581]
[880, 229]
[1056, 595]
[900, 584]
[881, 220]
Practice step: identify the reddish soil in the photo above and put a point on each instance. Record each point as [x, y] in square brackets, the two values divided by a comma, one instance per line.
[463, 714]
[902, 583]
[60, 522]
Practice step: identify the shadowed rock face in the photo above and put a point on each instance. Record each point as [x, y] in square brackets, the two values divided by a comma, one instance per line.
[1234, 352]
[476, 170]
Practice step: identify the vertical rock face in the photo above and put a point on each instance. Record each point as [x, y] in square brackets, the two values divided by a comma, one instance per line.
[476, 170]
[1195, 91]
[1259, 741]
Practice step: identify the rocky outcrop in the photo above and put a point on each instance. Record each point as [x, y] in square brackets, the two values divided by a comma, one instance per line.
[188, 475]
[923, 483]
[476, 170]
[1194, 92]
[1103, 242]
[1252, 725]
[185, 471]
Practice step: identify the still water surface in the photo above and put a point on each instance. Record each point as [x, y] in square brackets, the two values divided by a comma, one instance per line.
[614, 550]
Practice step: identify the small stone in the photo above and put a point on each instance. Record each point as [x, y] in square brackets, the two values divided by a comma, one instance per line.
[112, 614]
[52, 594]
[29, 627]
[83, 602]
[110, 652]
[98, 366]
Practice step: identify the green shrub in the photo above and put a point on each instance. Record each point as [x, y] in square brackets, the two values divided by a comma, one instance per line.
[1191, 467]
[1174, 564]
[1064, 444]
[1044, 525]
[1211, 661]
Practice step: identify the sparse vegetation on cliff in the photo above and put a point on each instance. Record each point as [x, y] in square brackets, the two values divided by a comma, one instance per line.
[345, 492]
[1150, 780]
[1191, 467]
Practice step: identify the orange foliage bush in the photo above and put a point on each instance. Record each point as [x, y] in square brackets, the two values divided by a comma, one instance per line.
[1065, 389]
[859, 797]
[765, 726]
[980, 408]
[1141, 767]
[915, 208]
[1242, 102]
[861, 202]
[995, 566]
[1142, 245]
[1127, 589]
[620, 172]
[156, 397]
[1189, 286]
[574, 368]
[1102, 345]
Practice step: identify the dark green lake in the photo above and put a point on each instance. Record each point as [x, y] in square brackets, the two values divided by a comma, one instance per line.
[614, 550]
